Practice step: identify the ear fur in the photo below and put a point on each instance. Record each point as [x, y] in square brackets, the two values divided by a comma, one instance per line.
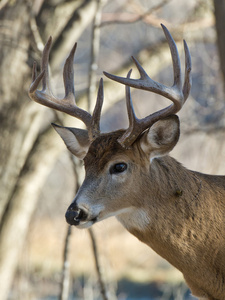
[76, 140]
[161, 137]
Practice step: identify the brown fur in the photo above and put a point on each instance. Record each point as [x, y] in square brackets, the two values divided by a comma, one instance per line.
[177, 212]
[186, 213]
[103, 148]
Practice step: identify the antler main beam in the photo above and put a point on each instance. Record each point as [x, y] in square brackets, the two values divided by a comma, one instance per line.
[176, 93]
[68, 103]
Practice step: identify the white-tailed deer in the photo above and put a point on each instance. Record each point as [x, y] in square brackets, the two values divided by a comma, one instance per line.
[177, 212]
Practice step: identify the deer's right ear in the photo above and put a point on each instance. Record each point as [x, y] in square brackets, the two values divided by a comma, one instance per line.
[76, 140]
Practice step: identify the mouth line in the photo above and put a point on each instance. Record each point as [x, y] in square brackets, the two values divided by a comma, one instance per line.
[94, 220]
[86, 223]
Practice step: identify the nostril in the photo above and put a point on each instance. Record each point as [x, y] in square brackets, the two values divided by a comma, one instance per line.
[82, 215]
[74, 215]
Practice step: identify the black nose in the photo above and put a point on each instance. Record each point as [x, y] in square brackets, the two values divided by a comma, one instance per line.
[74, 215]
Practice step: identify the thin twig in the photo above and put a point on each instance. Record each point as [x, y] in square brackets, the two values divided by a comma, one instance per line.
[64, 291]
[36, 34]
[97, 264]
[91, 91]
[94, 52]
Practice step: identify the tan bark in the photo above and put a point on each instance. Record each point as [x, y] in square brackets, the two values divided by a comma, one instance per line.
[15, 137]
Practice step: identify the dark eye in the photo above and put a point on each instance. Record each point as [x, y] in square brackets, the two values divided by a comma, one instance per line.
[118, 168]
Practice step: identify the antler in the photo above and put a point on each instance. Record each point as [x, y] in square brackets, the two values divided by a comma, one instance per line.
[68, 103]
[176, 93]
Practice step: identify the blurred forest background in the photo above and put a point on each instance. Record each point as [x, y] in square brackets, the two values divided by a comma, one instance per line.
[39, 177]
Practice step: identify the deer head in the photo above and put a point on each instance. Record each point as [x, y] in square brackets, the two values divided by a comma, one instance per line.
[113, 160]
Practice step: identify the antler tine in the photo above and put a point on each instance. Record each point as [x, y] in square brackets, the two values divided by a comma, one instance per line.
[133, 120]
[175, 93]
[175, 57]
[130, 109]
[187, 81]
[68, 75]
[95, 124]
[45, 96]
[44, 65]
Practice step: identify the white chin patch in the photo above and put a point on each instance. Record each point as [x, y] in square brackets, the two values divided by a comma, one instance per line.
[87, 224]
[135, 218]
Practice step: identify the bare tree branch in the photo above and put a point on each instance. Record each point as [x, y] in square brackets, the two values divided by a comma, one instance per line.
[94, 51]
[148, 17]
[64, 292]
[71, 32]
[118, 19]
[95, 41]
[97, 264]
[36, 34]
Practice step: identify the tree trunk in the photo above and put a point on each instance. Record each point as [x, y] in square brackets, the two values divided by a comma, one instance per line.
[19, 126]
[13, 57]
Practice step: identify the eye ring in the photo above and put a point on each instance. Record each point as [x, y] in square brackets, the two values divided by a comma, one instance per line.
[118, 168]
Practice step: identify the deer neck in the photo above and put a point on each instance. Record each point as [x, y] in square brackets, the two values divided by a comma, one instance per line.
[182, 221]
[165, 214]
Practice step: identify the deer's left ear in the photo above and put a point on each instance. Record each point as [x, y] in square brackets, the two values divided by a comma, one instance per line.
[76, 139]
[161, 138]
